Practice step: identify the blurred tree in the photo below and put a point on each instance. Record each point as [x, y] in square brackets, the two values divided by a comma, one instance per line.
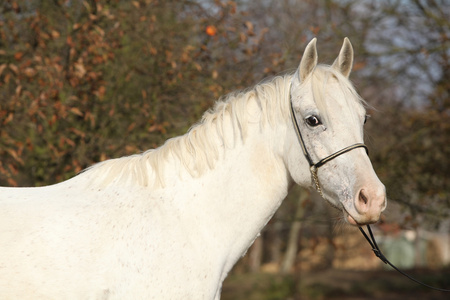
[82, 81]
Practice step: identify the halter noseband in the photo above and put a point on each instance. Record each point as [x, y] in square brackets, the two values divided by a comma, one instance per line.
[313, 167]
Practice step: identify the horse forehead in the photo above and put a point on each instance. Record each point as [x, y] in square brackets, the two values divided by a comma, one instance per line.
[341, 98]
[337, 100]
[332, 103]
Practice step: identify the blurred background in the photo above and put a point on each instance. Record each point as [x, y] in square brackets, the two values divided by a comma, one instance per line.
[84, 81]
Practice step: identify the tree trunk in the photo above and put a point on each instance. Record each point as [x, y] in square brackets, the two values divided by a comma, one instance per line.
[292, 246]
[256, 254]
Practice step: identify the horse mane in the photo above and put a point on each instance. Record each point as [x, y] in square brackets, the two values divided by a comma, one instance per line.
[198, 150]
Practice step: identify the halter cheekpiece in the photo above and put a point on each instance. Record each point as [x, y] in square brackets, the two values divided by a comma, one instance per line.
[313, 167]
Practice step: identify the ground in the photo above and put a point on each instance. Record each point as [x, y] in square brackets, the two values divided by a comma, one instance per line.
[337, 285]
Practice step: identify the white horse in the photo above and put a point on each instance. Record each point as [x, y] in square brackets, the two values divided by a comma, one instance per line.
[170, 223]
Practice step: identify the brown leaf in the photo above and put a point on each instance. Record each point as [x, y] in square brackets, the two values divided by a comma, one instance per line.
[14, 68]
[153, 51]
[130, 149]
[18, 90]
[76, 111]
[250, 28]
[9, 118]
[243, 37]
[131, 126]
[100, 93]
[2, 68]
[80, 71]
[12, 182]
[70, 142]
[78, 132]
[14, 154]
[55, 34]
[18, 55]
[29, 72]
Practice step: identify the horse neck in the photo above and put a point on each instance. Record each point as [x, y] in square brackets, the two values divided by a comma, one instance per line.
[239, 196]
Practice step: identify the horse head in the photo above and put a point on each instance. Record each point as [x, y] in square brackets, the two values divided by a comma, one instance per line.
[329, 116]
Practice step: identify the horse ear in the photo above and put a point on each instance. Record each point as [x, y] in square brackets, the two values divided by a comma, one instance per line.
[344, 62]
[309, 60]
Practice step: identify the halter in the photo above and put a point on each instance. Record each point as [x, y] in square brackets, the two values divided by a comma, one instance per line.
[313, 167]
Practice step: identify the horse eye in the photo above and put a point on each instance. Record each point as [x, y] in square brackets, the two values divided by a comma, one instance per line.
[366, 117]
[313, 121]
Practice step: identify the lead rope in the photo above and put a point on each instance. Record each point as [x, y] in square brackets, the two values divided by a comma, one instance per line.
[383, 258]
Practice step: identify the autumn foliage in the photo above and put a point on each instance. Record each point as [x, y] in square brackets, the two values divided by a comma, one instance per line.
[83, 81]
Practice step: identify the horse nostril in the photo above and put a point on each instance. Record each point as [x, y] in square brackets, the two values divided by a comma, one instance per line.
[363, 198]
[367, 205]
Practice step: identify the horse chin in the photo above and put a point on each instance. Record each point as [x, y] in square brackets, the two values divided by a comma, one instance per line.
[348, 218]
[351, 220]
